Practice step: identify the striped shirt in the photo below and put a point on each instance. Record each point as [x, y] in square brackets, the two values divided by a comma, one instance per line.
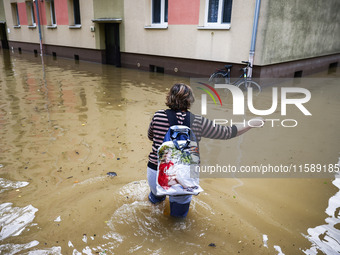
[202, 127]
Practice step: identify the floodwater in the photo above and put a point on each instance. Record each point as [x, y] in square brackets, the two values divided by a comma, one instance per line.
[65, 125]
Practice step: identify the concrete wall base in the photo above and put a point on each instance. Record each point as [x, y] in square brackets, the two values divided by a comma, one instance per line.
[60, 51]
[306, 66]
[202, 68]
[185, 67]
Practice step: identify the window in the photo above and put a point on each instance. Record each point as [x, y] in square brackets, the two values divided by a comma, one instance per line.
[76, 10]
[74, 13]
[159, 13]
[30, 14]
[218, 13]
[50, 13]
[15, 15]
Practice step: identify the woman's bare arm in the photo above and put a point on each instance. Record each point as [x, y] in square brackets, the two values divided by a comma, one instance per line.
[255, 123]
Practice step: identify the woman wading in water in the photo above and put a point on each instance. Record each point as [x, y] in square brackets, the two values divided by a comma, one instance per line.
[179, 100]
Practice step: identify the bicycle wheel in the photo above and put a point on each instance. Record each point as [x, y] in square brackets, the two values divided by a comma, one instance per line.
[244, 85]
[218, 78]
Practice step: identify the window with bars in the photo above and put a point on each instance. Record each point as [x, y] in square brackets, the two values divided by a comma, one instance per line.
[218, 12]
[159, 12]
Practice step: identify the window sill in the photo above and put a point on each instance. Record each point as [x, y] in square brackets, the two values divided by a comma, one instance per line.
[226, 27]
[74, 27]
[164, 27]
[18, 26]
[52, 27]
[32, 26]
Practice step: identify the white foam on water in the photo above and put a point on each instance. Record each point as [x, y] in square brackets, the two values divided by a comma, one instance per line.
[87, 251]
[75, 252]
[55, 250]
[136, 217]
[91, 180]
[10, 249]
[326, 238]
[115, 236]
[135, 248]
[58, 219]
[137, 190]
[147, 221]
[265, 240]
[9, 185]
[278, 248]
[13, 220]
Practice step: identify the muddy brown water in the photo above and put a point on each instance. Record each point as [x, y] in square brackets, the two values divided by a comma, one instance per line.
[64, 125]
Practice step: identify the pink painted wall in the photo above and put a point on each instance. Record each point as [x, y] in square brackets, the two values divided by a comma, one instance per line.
[183, 12]
[61, 12]
[42, 13]
[22, 13]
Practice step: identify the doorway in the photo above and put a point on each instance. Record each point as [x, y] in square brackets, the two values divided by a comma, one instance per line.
[112, 44]
[3, 36]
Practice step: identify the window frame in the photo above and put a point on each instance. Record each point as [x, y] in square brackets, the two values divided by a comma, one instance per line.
[51, 17]
[76, 14]
[218, 24]
[72, 15]
[30, 14]
[15, 15]
[163, 10]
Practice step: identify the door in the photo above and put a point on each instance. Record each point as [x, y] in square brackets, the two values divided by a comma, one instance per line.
[3, 36]
[112, 44]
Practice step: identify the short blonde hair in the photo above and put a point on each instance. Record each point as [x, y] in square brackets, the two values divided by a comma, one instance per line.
[180, 97]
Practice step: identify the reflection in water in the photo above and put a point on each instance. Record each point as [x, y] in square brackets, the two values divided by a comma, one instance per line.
[326, 238]
[64, 126]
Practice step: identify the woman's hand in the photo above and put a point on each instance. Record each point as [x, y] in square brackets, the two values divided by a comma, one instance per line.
[252, 123]
[256, 122]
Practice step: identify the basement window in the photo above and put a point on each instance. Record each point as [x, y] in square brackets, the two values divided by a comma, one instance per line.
[156, 69]
[298, 74]
[332, 67]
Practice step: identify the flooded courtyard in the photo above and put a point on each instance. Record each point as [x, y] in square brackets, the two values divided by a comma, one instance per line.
[65, 125]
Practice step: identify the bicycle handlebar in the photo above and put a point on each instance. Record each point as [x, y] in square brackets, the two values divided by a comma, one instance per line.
[247, 62]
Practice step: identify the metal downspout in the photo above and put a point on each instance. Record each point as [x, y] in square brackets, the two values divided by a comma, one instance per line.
[40, 37]
[253, 37]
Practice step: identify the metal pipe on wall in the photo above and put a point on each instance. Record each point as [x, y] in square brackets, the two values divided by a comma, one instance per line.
[253, 37]
[39, 25]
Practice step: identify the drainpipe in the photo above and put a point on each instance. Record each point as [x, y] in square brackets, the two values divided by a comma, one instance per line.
[253, 37]
[39, 25]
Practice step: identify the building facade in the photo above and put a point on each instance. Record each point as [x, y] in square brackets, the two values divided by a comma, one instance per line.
[190, 38]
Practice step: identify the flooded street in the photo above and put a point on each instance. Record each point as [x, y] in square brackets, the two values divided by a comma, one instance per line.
[65, 125]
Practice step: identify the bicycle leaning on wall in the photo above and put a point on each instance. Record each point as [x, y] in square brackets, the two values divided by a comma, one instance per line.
[222, 76]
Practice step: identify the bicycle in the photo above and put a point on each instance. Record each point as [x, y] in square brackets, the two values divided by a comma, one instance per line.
[222, 76]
